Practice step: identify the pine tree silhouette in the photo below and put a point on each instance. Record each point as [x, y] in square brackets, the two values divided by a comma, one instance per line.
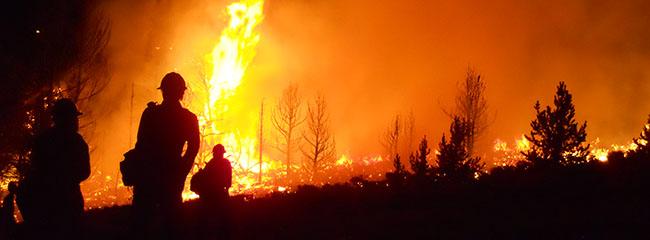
[454, 160]
[418, 161]
[398, 166]
[556, 138]
[642, 151]
[397, 176]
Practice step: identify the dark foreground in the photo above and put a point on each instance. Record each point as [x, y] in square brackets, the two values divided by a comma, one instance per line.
[583, 203]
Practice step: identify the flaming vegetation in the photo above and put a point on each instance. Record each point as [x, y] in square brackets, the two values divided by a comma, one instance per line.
[451, 161]
[225, 117]
[217, 107]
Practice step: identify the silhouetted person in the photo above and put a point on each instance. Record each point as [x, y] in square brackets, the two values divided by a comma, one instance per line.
[7, 219]
[164, 130]
[212, 188]
[218, 176]
[49, 198]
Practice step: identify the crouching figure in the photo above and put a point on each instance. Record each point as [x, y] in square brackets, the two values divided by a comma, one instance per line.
[212, 184]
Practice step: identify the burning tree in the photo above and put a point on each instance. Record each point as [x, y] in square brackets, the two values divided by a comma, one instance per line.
[390, 138]
[286, 119]
[454, 160]
[321, 148]
[556, 138]
[471, 108]
[223, 114]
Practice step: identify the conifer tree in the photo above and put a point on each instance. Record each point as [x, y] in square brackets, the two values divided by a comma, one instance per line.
[418, 161]
[398, 167]
[642, 150]
[556, 138]
[397, 176]
[454, 160]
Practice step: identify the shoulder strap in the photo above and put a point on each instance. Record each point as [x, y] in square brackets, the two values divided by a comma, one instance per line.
[152, 104]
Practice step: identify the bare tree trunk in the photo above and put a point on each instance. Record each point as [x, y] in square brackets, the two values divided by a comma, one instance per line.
[390, 139]
[286, 118]
[320, 150]
[472, 108]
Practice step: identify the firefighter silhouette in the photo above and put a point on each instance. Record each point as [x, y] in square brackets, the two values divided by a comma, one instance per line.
[211, 184]
[49, 198]
[7, 219]
[163, 132]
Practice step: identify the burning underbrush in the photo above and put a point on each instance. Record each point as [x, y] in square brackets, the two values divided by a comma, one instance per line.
[102, 190]
[225, 117]
[510, 154]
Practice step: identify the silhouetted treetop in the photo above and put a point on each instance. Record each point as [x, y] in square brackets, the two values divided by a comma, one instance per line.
[453, 158]
[642, 150]
[419, 160]
[556, 138]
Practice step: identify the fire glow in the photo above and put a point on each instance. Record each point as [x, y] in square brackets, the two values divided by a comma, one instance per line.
[229, 118]
[227, 64]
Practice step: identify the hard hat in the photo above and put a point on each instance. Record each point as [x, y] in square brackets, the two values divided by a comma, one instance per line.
[172, 81]
[65, 107]
[219, 149]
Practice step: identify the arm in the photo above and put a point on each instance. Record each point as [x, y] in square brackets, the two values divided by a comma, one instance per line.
[193, 144]
[83, 164]
[228, 174]
[144, 128]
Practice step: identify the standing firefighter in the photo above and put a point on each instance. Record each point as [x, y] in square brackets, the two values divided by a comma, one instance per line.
[211, 184]
[7, 219]
[49, 197]
[163, 132]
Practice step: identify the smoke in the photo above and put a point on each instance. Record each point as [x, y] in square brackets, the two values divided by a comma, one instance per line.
[374, 59]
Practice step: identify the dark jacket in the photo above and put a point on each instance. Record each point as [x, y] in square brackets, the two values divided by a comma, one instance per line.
[214, 180]
[59, 162]
[164, 129]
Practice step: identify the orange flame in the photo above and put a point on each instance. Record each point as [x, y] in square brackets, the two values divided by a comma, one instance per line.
[227, 64]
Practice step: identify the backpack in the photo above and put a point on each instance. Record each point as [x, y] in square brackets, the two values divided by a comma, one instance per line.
[199, 183]
[131, 167]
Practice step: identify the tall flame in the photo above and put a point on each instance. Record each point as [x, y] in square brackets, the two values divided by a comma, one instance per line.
[227, 64]
[235, 50]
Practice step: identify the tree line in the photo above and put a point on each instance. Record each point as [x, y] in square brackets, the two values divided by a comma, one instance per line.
[557, 140]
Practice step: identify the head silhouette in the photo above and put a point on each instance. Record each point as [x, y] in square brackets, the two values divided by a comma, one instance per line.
[218, 151]
[172, 87]
[12, 187]
[65, 115]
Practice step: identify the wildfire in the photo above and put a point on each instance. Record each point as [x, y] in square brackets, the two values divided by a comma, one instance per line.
[506, 156]
[344, 160]
[226, 67]
[600, 153]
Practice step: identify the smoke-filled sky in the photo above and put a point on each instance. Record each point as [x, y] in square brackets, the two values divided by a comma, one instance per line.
[373, 59]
